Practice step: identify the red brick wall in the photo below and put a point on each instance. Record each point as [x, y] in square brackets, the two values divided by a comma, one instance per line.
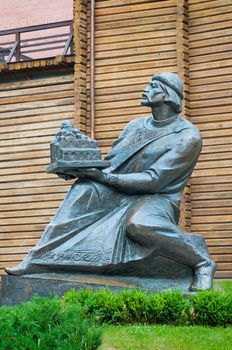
[25, 13]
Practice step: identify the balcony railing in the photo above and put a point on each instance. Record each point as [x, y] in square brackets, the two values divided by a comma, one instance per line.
[39, 41]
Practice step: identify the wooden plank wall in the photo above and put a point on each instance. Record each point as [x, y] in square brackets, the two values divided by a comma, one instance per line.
[210, 30]
[31, 111]
[133, 39]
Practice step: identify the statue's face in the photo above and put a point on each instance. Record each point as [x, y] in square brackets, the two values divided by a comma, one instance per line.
[152, 95]
[67, 124]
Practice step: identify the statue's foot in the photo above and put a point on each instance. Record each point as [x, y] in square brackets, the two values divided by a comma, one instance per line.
[203, 277]
[22, 269]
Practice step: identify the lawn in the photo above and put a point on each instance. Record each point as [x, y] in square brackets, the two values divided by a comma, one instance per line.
[164, 337]
[140, 337]
[225, 285]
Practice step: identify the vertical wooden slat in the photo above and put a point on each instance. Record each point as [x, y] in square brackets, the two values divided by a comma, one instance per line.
[92, 69]
[183, 71]
[80, 49]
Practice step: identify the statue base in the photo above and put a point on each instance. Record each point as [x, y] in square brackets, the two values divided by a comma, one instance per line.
[17, 289]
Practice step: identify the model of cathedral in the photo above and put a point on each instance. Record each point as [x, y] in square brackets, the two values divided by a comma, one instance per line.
[72, 149]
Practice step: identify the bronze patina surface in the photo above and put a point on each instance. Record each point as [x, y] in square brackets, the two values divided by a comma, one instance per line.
[123, 220]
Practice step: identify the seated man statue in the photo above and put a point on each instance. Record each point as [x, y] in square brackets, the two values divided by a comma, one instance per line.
[111, 219]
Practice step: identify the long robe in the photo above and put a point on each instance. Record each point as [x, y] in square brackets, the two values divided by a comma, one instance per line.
[90, 230]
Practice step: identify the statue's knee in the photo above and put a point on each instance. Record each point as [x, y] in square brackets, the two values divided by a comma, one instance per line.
[133, 227]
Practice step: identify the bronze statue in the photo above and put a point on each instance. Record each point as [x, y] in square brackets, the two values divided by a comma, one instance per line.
[113, 219]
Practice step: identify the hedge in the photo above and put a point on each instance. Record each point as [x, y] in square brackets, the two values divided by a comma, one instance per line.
[210, 307]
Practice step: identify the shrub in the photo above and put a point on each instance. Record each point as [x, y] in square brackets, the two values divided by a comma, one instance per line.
[130, 306]
[47, 323]
[212, 308]
[169, 308]
[105, 306]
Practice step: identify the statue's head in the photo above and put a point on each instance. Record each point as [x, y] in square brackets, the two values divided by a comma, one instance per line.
[164, 88]
[67, 124]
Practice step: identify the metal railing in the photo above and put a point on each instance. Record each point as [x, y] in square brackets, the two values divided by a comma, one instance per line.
[39, 41]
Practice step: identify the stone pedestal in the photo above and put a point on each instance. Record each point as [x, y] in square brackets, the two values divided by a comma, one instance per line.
[17, 289]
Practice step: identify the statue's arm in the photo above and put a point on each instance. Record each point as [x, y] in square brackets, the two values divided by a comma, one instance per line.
[165, 170]
[133, 183]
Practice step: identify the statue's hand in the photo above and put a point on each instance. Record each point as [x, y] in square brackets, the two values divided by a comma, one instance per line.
[92, 174]
[66, 177]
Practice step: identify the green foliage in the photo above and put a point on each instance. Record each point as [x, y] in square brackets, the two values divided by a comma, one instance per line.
[70, 322]
[213, 308]
[46, 324]
[174, 305]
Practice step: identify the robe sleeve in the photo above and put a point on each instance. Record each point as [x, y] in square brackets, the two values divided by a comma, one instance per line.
[168, 168]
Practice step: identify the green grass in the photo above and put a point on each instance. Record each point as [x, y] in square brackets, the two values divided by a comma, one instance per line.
[140, 337]
[165, 337]
[224, 285]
